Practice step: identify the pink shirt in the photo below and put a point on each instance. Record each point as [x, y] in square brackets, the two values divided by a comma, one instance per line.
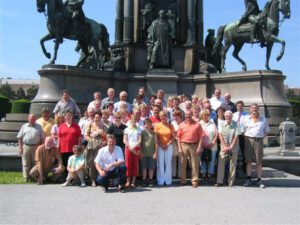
[189, 132]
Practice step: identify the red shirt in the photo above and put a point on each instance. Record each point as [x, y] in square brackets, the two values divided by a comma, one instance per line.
[154, 120]
[68, 137]
[189, 132]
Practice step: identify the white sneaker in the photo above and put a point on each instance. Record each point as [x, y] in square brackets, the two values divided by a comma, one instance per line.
[66, 184]
[261, 184]
[83, 184]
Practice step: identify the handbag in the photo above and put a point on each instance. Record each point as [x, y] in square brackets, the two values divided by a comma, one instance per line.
[206, 155]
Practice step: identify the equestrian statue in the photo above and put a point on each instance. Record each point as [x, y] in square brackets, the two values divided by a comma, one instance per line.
[67, 20]
[255, 26]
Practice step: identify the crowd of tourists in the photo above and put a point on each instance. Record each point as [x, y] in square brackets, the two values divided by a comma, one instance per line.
[153, 138]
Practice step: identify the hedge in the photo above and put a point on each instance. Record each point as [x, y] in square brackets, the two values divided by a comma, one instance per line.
[295, 106]
[20, 106]
[5, 106]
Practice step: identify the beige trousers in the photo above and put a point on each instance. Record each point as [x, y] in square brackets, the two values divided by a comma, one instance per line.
[232, 167]
[28, 159]
[189, 151]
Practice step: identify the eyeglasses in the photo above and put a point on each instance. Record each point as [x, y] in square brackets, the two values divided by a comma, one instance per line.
[206, 114]
[118, 117]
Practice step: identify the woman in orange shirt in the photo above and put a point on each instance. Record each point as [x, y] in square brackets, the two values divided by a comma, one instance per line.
[165, 138]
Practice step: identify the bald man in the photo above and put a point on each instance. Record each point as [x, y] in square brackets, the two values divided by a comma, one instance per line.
[30, 136]
[49, 165]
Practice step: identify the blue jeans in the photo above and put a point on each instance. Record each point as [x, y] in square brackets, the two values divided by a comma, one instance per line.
[119, 172]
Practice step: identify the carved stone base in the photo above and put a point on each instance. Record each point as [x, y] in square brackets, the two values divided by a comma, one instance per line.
[260, 86]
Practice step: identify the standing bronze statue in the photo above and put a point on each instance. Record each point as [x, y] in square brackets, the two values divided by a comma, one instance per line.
[67, 20]
[159, 42]
[148, 15]
[267, 32]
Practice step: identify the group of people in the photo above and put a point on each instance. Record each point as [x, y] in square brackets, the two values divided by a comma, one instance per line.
[116, 141]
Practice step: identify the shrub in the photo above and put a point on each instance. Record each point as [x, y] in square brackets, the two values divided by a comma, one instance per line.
[20, 106]
[295, 102]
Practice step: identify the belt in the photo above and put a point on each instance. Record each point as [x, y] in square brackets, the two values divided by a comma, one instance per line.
[30, 144]
[255, 138]
[190, 143]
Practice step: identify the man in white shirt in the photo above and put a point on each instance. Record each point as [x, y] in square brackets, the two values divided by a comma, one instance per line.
[239, 117]
[216, 101]
[110, 164]
[255, 128]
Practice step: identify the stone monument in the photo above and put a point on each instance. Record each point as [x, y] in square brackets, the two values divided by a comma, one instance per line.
[185, 72]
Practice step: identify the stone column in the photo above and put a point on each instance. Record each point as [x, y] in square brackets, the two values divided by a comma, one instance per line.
[119, 22]
[200, 22]
[128, 21]
[191, 22]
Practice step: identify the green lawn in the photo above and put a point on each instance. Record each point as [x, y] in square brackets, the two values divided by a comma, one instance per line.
[12, 178]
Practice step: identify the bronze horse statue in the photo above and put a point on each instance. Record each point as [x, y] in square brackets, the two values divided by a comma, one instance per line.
[60, 26]
[267, 32]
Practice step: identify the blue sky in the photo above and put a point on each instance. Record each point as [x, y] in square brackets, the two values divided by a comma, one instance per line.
[21, 28]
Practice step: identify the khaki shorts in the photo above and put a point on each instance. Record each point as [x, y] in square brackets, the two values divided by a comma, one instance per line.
[254, 150]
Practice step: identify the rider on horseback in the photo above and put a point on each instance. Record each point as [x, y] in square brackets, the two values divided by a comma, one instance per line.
[76, 14]
[252, 8]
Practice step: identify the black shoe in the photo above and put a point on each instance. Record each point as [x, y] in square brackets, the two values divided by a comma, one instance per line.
[151, 184]
[144, 183]
[105, 189]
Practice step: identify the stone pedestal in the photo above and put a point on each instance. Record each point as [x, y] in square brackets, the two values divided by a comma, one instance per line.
[165, 79]
[260, 86]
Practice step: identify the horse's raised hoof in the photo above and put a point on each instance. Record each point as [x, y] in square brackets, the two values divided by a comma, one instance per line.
[279, 58]
[48, 55]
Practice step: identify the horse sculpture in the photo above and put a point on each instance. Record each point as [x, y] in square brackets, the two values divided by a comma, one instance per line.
[267, 32]
[60, 26]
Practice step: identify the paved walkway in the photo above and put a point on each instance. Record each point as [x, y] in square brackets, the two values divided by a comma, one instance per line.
[279, 203]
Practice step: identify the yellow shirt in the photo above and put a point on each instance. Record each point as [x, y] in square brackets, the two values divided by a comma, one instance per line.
[46, 125]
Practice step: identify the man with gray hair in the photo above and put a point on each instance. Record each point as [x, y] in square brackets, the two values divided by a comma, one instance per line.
[255, 129]
[49, 165]
[228, 134]
[30, 136]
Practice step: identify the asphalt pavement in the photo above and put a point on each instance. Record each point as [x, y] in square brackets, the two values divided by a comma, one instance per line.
[279, 203]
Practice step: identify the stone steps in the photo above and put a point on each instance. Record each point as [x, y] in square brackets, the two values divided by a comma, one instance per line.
[16, 117]
[11, 126]
[8, 136]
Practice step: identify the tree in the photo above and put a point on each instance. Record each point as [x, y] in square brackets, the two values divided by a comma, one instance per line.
[290, 93]
[20, 93]
[7, 91]
[31, 92]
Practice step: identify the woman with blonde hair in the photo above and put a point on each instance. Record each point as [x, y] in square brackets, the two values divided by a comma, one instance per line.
[209, 144]
[165, 137]
[59, 119]
[96, 138]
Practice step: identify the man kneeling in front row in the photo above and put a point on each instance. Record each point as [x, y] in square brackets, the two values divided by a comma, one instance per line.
[110, 164]
[49, 165]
